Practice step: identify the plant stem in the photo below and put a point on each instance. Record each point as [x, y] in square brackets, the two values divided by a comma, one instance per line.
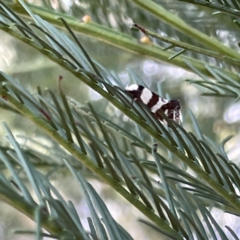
[101, 173]
[187, 46]
[177, 23]
[115, 38]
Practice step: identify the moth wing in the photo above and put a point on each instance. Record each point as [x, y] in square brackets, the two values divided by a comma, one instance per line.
[172, 110]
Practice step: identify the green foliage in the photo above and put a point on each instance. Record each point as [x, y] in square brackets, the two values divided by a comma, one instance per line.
[83, 137]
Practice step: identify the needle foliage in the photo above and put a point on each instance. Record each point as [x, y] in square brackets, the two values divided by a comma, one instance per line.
[173, 176]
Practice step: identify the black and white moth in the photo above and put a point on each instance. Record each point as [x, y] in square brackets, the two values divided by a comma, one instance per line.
[156, 104]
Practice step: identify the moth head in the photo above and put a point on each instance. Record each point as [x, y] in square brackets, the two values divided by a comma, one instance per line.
[134, 90]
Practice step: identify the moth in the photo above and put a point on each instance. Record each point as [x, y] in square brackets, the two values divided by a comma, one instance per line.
[155, 103]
